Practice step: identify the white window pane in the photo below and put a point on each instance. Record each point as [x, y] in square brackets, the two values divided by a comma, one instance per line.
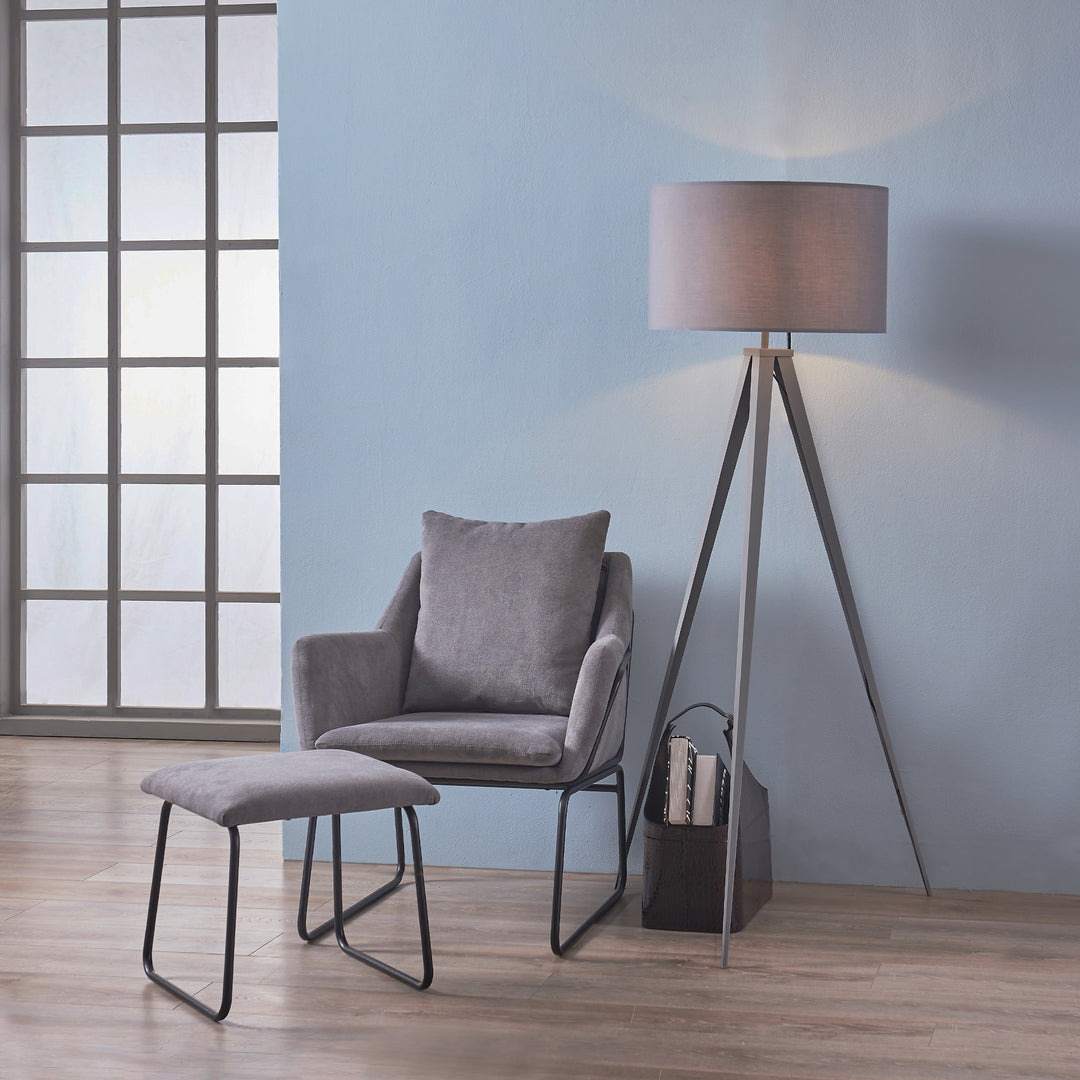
[162, 654]
[249, 546]
[162, 420]
[67, 303]
[66, 79]
[162, 303]
[248, 303]
[65, 652]
[247, 68]
[66, 420]
[249, 637]
[248, 186]
[162, 536]
[51, 5]
[248, 429]
[162, 71]
[67, 530]
[162, 187]
[67, 188]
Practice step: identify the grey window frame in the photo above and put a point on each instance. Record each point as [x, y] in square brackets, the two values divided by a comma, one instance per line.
[211, 721]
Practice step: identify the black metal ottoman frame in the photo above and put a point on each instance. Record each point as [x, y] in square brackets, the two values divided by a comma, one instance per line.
[337, 923]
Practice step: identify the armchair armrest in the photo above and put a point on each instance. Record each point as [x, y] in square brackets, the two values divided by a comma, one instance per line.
[341, 679]
[589, 740]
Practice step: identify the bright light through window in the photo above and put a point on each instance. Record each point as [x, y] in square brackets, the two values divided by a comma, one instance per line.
[147, 341]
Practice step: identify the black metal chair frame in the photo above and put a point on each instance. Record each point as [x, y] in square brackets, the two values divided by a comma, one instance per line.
[336, 923]
[589, 783]
[558, 946]
[590, 780]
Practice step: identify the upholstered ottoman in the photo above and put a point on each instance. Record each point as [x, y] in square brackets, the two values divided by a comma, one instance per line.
[274, 787]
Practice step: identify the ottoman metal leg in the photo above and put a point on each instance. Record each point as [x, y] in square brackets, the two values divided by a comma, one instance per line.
[421, 906]
[230, 923]
[360, 905]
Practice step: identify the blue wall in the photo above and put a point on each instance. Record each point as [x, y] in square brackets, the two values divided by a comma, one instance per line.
[464, 191]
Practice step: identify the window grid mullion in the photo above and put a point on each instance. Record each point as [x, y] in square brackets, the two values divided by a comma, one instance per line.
[183, 595]
[147, 361]
[211, 159]
[249, 479]
[32, 131]
[78, 11]
[151, 712]
[145, 245]
[16, 657]
[112, 616]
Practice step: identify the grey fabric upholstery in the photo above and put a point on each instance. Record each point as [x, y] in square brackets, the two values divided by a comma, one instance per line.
[577, 747]
[351, 678]
[274, 787]
[481, 738]
[342, 712]
[347, 678]
[505, 613]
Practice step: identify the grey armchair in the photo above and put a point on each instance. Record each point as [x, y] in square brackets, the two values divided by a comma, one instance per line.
[468, 679]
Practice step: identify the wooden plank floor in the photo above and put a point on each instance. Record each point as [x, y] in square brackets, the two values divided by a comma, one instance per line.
[828, 982]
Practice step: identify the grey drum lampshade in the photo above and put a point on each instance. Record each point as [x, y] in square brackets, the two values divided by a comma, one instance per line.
[768, 255]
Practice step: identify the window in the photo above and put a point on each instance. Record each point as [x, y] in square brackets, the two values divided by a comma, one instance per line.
[144, 348]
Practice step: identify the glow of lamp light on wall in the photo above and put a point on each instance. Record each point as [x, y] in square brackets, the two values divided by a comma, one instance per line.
[795, 80]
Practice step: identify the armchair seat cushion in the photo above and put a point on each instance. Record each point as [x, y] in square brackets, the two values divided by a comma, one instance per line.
[476, 738]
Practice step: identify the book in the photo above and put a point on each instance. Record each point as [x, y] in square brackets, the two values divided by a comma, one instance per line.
[723, 794]
[680, 780]
[656, 798]
[703, 811]
[710, 791]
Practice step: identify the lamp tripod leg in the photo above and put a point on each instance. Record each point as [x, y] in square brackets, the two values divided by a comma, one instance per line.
[736, 429]
[760, 397]
[804, 443]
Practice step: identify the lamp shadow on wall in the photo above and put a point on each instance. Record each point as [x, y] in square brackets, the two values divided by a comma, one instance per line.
[997, 315]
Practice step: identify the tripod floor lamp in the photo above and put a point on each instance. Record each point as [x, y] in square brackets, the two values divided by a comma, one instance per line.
[746, 256]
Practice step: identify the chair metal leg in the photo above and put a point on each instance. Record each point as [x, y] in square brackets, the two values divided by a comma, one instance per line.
[421, 907]
[559, 947]
[230, 923]
[360, 905]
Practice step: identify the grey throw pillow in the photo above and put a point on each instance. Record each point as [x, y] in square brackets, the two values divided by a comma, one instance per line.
[505, 613]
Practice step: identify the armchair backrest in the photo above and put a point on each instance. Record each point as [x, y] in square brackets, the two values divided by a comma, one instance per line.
[613, 612]
[614, 600]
